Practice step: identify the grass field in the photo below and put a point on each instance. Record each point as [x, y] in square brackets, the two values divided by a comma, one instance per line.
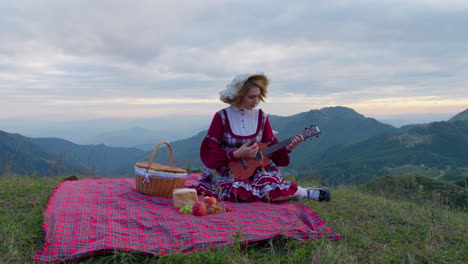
[375, 230]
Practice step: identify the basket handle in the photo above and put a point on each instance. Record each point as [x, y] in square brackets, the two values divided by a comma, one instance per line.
[171, 159]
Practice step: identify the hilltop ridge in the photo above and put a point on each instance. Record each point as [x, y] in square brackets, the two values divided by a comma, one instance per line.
[462, 116]
[351, 149]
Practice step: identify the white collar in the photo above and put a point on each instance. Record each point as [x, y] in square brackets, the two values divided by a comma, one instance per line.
[243, 122]
[241, 109]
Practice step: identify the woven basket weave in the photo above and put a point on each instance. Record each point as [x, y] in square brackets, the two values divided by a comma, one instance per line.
[157, 179]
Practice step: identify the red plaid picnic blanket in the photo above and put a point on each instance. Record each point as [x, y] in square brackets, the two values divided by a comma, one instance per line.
[99, 216]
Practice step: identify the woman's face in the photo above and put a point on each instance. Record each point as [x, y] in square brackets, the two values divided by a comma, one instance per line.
[251, 99]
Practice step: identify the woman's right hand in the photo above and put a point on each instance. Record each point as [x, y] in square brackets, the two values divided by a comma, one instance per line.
[247, 150]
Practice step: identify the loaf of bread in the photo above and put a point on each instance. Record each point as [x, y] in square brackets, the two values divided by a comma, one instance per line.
[184, 196]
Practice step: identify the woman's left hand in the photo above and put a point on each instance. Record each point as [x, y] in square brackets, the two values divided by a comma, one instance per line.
[295, 141]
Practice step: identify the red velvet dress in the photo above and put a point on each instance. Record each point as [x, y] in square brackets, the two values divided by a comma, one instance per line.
[216, 150]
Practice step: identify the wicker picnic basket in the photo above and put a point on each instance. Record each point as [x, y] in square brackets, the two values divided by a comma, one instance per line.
[157, 179]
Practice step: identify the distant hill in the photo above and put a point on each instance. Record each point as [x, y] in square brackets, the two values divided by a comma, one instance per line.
[139, 137]
[21, 155]
[455, 175]
[418, 188]
[438, 144]
[462, 116]
[142, 132]
[100, 160]
[351, 149]
[186, 154]
[187, 151]
[131, 137]
[339, 125]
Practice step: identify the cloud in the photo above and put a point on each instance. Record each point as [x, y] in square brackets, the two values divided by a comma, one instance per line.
[132, 101]
[91, 53]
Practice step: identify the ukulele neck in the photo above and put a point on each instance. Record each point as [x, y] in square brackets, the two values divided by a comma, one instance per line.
[270, 150]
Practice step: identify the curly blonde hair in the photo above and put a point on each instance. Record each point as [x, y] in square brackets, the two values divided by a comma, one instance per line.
[259, 80]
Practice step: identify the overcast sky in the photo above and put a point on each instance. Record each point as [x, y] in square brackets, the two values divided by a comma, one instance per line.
[93, 59]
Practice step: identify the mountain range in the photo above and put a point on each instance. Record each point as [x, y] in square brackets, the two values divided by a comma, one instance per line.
[22, 155]
[437, 145]
[351, 149]
[140, 132]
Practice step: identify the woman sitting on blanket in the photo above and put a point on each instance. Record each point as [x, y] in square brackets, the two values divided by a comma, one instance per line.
[233, 134]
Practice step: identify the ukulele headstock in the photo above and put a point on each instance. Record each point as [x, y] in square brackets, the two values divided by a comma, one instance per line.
[311, 131]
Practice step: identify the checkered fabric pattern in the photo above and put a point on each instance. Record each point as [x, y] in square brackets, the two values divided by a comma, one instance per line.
[231, 142]
[101, 216]
[218, 182]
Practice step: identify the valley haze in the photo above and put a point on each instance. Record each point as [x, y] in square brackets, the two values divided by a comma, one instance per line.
[351, 149]
[143, 133]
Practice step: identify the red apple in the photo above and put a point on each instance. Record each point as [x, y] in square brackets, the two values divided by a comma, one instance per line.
[211, 210]
[210, 200]
[199, 209]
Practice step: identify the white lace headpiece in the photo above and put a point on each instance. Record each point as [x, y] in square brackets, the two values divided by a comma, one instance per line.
[233, 88]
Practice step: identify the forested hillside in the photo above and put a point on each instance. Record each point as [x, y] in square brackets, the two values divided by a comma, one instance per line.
[460, 116]
[21, 155]
[339, 125]
[439, 145]
[99, 160]
[351, 149]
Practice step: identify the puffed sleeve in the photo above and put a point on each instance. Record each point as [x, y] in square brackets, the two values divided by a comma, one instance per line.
[211, 152]
[280, 157]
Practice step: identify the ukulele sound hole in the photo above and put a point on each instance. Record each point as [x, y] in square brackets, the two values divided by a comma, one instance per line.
[258, 157]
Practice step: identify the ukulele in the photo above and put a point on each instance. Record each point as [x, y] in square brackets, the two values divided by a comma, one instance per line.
[245, 167]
